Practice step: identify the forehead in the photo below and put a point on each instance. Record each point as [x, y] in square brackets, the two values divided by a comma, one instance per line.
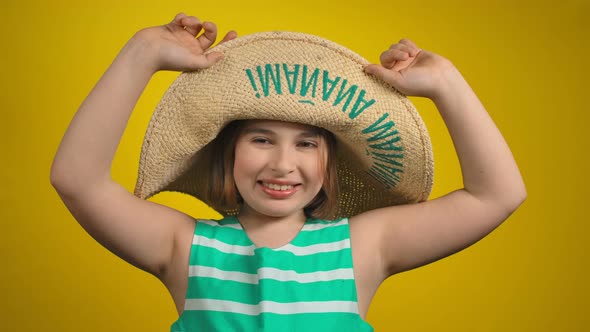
[279, 126]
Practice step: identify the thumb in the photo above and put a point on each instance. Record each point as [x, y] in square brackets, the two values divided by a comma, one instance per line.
[213, 58]
[204, 61]
[390, 76]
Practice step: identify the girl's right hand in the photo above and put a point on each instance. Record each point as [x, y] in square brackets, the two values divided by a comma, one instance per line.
[413, 71]
[175, 46]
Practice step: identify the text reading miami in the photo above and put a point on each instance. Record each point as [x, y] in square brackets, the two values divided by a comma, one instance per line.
[383, 140]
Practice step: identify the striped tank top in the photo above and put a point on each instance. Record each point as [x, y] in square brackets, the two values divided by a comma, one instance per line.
[305, 285]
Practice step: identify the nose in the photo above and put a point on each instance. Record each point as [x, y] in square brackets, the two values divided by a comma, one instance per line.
[282, 161]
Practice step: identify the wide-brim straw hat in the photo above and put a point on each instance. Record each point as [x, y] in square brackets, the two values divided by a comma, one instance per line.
[384, 153]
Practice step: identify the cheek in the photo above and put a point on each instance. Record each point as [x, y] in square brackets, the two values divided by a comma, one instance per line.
[239, 168]
[244, 164]
[316, 171]
[240, 176]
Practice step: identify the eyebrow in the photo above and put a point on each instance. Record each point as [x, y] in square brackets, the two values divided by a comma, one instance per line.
[259, 130]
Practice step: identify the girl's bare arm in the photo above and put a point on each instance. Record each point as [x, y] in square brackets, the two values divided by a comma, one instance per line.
[416, 234]
[142, 232]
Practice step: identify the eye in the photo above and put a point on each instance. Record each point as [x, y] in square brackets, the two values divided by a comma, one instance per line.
[307, 144]
[260, 140]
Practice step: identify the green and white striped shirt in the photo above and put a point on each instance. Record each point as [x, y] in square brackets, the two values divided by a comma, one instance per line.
[306, 285]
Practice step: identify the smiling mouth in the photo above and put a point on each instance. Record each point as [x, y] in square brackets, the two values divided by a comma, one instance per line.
[277, 187]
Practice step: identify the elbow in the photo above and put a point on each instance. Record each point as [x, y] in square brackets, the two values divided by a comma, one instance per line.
[514, 198]
[59, 180]
[520, 194]
[505, 201]
[523, 195]
[56, 176]
[65, 181]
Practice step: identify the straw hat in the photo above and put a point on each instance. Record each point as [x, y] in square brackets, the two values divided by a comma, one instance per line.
[384, 151]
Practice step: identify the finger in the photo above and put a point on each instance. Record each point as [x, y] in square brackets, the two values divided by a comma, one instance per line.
[191, 24]
[175, 24]
[207, 61]
[214, 57]
[177, 18]
[413, 49]
[390, 57]
[229, 36]
[400, 46]
[390, 76]
[208, 37]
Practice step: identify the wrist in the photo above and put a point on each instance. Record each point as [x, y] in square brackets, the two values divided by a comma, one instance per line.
[450, 83]
[140, 54]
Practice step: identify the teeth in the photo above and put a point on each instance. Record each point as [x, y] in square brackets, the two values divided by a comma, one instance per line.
[277, 187]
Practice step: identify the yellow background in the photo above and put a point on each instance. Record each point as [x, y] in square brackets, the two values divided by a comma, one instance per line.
[528, 62]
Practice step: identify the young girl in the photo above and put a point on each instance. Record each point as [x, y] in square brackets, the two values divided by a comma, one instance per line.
[275, 262]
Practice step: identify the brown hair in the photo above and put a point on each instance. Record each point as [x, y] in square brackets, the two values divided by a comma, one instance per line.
[223, 194]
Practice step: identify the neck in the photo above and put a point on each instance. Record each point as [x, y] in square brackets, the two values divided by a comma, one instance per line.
[252, 219]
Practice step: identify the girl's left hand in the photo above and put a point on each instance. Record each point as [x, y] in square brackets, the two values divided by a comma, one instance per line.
[412, 71]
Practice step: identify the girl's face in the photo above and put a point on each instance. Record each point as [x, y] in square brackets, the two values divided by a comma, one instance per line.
[279, 167]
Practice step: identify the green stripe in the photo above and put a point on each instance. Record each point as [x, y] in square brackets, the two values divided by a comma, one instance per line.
[304, 238]
[272, 290]
[227, 321]
[265, 257]
[324, 235]
[229, 220]
[226, 235]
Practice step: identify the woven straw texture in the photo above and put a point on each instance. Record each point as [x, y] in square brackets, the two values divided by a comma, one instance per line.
[384, 156]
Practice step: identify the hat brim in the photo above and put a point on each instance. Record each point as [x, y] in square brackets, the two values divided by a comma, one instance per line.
[384, 151]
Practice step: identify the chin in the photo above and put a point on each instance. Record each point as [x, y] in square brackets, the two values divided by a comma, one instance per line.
[276, 212]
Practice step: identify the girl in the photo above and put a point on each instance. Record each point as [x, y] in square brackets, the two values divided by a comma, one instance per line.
[277, 265]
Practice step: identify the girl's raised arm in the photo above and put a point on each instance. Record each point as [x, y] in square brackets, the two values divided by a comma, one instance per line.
[141, 232]
[412, 235]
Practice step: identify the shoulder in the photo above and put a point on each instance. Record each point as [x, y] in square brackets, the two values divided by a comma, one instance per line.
[185, 238]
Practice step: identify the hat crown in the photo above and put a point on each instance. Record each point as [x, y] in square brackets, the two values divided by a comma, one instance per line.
[384, 155]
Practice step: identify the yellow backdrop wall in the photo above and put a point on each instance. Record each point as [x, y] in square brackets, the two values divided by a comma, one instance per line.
[526, 60]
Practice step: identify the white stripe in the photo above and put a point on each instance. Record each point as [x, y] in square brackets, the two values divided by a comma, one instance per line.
[281, 275]
[211, 272]
[215, 223]
[315, 227]
[316, 248]
[271, 306]
[224, 247]
[270, 273]
[249, 250]
[306, 227]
